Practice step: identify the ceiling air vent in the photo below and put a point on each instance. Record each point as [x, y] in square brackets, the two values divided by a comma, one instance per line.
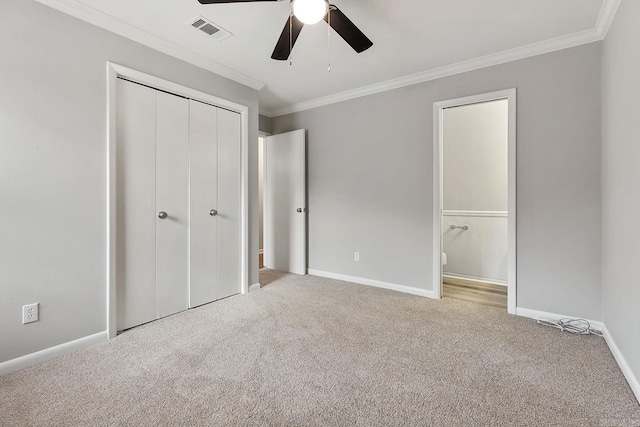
[215, 31]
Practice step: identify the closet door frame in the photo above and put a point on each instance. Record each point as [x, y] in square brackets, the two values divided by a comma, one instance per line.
[113, 72]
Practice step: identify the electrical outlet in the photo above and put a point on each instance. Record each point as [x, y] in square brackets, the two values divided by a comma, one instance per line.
[29, 313]
[356, 256]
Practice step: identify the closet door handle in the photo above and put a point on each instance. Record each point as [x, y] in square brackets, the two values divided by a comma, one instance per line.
[162, 215]
[213, 212]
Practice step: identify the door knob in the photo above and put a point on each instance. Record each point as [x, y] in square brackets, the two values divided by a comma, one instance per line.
[213, 212]
[162, 215]
[299, 210]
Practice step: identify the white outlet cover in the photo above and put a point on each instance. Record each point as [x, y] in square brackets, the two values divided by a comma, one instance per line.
[29, 313]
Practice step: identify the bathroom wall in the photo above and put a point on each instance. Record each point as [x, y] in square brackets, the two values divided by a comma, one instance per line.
[475, 190]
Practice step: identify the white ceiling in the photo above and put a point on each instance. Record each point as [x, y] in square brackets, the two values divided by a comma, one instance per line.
[409, 36]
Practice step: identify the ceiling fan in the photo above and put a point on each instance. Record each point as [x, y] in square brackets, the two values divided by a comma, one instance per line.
[309, 12]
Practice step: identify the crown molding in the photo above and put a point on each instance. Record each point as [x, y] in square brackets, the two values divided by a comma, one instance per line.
[100, 19]
[114, 25]
[607, 13]
[267, 112]
[595, 34]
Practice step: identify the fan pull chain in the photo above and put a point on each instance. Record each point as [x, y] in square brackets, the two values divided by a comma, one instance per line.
[290, 33]
[329, 38]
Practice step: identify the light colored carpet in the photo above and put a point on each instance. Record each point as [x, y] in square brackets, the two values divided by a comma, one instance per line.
[312, 351]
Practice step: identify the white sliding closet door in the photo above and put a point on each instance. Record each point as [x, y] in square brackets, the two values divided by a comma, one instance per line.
[172, 197]
[136, 205]
[203, 152]
[152, 178]
[229, 236]
[178, 229]
[215, 137]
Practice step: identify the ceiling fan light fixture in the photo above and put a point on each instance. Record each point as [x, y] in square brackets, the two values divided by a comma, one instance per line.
[310, 11]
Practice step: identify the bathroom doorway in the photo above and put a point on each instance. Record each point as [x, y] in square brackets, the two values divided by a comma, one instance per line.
[474, 199]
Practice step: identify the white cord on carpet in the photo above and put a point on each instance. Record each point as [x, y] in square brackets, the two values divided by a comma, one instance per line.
[573, 326]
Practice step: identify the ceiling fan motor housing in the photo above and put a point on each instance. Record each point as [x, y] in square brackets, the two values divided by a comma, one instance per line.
[310, 12]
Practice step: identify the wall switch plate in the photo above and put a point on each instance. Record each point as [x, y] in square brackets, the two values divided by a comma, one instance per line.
[29, 313]
[356, 256]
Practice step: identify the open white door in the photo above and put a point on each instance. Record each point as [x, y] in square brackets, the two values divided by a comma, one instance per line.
[285, 213]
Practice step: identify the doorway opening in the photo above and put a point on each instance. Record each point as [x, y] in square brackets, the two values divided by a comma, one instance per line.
[261, 141]
[475, 199]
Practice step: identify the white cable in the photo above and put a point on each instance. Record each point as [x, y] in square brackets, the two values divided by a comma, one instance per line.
[573, 326]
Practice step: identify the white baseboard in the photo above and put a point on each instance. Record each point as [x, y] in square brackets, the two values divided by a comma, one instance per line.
[374, 283]
[476, 279]
[617, 355]
[536, 314]
[622, 363]
[254, 287]
[50, 353]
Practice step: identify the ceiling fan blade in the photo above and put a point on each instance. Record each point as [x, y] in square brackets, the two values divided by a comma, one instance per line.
[229, 1]
[283, 47]
[348, 30]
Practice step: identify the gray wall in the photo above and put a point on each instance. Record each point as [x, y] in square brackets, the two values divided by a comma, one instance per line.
[53, 168]
[620, 178]
[265, 124]
[370, 179]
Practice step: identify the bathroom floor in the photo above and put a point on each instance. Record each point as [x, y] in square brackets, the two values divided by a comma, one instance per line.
[480, 293]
